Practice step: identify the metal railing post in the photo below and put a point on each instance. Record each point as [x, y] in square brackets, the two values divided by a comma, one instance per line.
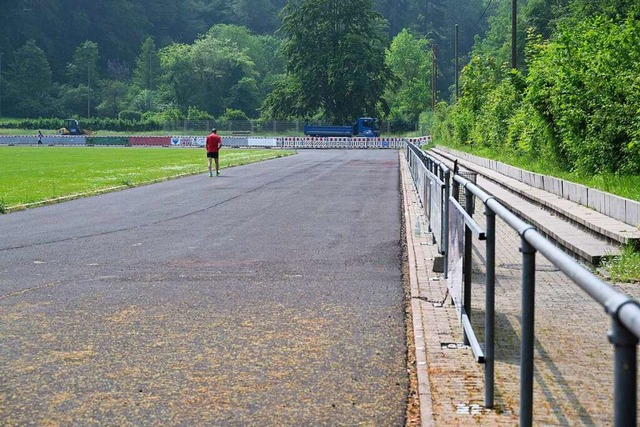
[625, 373]
[490, 307]
[425, 202]
[445, 223]
[455, 190]
[624, 311]
[428, 197]
[467, 263]
[526, 347]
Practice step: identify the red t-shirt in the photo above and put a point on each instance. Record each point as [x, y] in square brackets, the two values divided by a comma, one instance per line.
[213, 143]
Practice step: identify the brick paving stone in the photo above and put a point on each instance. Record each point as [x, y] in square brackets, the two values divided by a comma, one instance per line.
[573, 378]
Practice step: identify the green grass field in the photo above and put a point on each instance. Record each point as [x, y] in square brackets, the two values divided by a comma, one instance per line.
[32, 175]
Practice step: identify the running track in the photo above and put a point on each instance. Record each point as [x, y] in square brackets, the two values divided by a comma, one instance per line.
[271, 295]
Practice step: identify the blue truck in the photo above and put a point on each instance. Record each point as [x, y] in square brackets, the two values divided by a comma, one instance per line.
[364, 126]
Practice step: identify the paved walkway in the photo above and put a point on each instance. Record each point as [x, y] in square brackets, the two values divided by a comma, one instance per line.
[573, 358]
[271, 295]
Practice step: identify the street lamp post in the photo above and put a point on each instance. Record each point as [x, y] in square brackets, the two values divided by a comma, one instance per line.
[434, 86]
[89, 92]
[456, 62]
[514, 33]
[0, 84]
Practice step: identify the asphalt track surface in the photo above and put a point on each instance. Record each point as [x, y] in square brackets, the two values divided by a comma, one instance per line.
[271, 295]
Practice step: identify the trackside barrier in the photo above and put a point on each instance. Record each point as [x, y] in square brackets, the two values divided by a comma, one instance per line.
[623, 310]
[187, 141]
[341, 142]
[430, 178]
[108, 140]
[232, 141]
[46, 140]
[156, 141]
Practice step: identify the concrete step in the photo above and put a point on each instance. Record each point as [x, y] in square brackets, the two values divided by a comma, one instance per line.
[596, 222]
[572, 236]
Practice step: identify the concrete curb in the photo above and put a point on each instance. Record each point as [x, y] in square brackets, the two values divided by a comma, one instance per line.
[410, 204]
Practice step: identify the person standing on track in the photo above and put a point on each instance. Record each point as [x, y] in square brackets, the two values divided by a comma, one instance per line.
[214, 142]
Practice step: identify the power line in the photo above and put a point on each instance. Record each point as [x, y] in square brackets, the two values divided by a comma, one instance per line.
[483, 13]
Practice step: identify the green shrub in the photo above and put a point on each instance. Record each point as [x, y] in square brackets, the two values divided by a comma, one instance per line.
[584, 83]
[195, 114]
[131, 115]
[231, 114]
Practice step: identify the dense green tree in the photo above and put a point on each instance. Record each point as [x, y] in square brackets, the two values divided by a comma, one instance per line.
[211, 75]
[436, 19]
[397, 12]
[113, 94]
[335, 53]
[82, 75]
[576, 101]
[147, 71]
[76, 100]
[259, 15]
[285, 101]
[410, 60]
[146, 76]
[585, 84]
[264, 51]
[119, 28]
[541, 16]
[28, 87]
[581, 9]
[83, 68]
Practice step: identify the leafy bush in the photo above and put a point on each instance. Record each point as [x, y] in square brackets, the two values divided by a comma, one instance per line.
[231, 114]
[400, 120]
[579, 105]
[195, 114]
[170, 114]
[116, 125]
[585, 84]
[135, 116]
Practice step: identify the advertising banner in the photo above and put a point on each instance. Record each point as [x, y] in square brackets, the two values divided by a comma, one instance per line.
[108, 140]
[188, 141]
[262, 142]
[435, 214]
[455, 255]
[159, 141]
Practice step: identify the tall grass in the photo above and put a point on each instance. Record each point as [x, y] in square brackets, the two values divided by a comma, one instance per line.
[626, 267]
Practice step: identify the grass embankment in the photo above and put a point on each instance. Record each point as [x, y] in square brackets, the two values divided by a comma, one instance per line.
[624, 268]
[624, 186]
[34, 175]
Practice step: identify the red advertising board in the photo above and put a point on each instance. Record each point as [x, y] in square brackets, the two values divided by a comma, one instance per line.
[163, 141]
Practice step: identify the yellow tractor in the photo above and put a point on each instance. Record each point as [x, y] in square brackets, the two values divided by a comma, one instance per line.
[72, 127]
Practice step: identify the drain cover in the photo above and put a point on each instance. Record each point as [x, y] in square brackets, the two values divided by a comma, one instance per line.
[550, 268]
[453, 346]
[469, 409]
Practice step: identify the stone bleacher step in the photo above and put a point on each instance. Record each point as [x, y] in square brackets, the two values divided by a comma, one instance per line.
[586, 245]
[575, 240]
[596, 222]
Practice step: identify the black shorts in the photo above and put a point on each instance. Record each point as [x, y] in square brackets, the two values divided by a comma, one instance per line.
[212, 154]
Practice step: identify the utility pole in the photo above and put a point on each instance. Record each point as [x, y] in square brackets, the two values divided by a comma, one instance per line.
[434, 84]
[149, 76]
[514, 18]
[149, 90]
[0, 84]
[456, 62]
[89, 91]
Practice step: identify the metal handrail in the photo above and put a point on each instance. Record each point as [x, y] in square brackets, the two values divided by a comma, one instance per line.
[623, 310]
